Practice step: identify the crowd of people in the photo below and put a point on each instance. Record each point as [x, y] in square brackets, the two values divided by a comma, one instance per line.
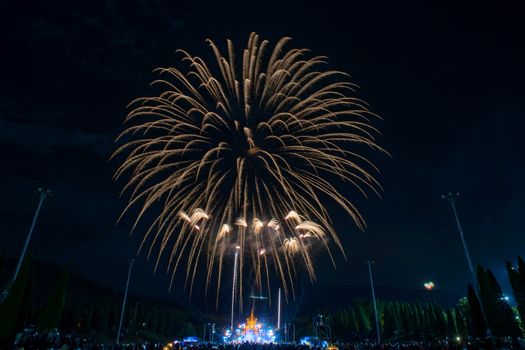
[30, 339]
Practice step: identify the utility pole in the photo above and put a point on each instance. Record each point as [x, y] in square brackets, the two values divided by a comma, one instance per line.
[131, 261]
[369, 263]
[43, 194]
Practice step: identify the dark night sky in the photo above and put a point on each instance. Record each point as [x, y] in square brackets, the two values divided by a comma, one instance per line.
[448, 81]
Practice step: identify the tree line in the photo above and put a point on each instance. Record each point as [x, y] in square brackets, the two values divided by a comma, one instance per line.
[484, 311]
[399, 320]
[97, 316]
[485, 308]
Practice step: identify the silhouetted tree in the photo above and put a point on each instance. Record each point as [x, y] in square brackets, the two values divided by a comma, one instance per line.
[463, 317]
[502, 317]
[27, 313]
[517, 282]
[451, 323]
[423, 318]
[364, 319]
[54, 307]
[479, 328]
[10, 308]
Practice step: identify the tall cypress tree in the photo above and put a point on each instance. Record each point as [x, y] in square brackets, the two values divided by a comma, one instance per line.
[88, 320]
[381, 314]
[396, 309]
[423, 318]
[364, 318]
[417, 319]
[441, 322]
[387, 320]
[517, 282]
[10, 308]
[403, 321]
[432, 319]
[106, 314]
[521, 269]
[66, 324]
[479, 328]
[54, 308]
[503, 317]
[461, 329]
[451, 323]
[353, 320]
[26, 309]
[463, 317]
[410, 319]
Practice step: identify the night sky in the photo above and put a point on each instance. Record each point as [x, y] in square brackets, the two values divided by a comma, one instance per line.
[448, 81]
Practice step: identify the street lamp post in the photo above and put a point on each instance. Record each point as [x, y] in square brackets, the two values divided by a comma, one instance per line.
[42, 194]
[369, 263]
[131, 261]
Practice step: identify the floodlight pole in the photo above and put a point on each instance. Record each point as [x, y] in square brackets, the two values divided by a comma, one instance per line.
[234, 284]
[279, 310]
[452, 198]
[42, 194]
[131, 261]
[212, 331]
[369, 263]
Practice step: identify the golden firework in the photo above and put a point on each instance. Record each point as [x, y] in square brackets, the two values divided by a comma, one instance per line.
[229, 148]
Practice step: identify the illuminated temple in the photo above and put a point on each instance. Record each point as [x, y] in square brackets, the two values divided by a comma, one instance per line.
[250, 332]
[251, 328]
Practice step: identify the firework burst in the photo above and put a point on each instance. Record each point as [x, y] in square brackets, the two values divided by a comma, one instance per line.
[244, 151]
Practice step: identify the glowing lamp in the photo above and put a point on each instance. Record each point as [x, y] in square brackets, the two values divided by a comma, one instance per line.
[429, 285]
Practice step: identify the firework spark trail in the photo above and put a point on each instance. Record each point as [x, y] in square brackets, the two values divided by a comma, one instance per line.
[226, 145]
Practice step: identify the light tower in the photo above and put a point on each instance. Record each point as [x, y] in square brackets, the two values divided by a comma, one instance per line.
[279, 310]
[131, 261]
[452, 198]
[322, 328]
[43, 194]
[234, 284]
[369, 263]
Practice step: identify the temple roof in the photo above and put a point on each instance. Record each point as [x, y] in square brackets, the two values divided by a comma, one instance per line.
[251, 322]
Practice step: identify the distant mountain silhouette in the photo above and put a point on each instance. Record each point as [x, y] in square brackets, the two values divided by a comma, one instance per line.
[317, 298]
[81, 289]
